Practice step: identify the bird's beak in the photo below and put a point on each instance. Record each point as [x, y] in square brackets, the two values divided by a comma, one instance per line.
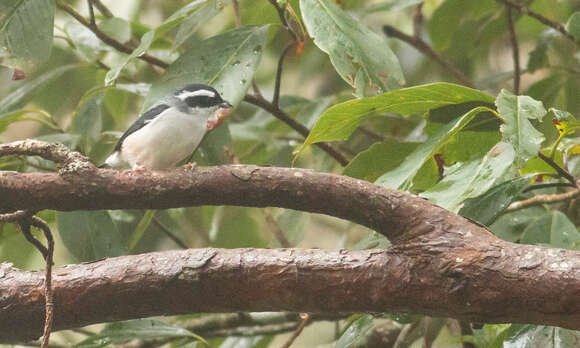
[219, 116]
[226, 105]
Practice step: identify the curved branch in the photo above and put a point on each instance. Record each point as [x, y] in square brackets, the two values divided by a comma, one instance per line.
[482, 282]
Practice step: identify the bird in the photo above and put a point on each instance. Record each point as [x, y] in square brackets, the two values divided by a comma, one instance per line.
[170, 130]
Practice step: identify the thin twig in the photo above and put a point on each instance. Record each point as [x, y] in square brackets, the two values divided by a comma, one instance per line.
[547, 185]
[91, 14]
[305, 319]
[47, 253]
[169, 234]
[561, 171]
[515, 49]
[55, 152]
[525, 10]
[48, 293]
[542, 199]
[284, 117]
[102, 8]
[424, 48]
[283, 20]
[276, 230]
[417, 20]
[237, 17]
[14, 216]
[108, 39]
[278, 82]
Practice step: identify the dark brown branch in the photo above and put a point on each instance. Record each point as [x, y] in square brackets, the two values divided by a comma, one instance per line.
[283, 20]
[561, 171]
[58, 153]
[548, 22]
[515, 49]
[298, 331]
[478, 278]
[92, 21]
[102, 8]
[278, 81]
[284, 117]
[424, 48]
[121, 47]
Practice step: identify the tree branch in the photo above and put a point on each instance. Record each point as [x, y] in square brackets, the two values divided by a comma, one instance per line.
[121, 47]
[439, 264]
[543, 199]
[550, 23]
[424, 48]
[284, 117]
[515, 49]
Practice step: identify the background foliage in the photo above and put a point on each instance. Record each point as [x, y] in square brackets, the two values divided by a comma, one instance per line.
[388, 109]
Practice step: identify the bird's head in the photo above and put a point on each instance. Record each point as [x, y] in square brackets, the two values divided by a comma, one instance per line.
[202, 98]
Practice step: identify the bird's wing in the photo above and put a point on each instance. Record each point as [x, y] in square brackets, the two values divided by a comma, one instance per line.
[141, 122]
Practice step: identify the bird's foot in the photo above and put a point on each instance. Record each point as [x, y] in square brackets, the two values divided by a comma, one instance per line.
[190, 166]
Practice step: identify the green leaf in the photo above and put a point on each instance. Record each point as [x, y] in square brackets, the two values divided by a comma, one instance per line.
[488, 206]
[402, 177]
[117, 28]
[392, 5]
[510, 226]
[146, 40]
[142, 329]
[227, 62]
[573, 25]
[340, 121]
[467, 145]
[539, 55]
[141, 227]
[554, 229]
[532, 336]
[471, 179]
[21, 115]
[516, 112]
[24, 93]
[359, 55]
[234, 227]
[87, 121]
[196, 19]
[89, 235]
[564, 121]
[355, 332]
[378, 159]
[371, 241]
[246, 342]
[26, 28]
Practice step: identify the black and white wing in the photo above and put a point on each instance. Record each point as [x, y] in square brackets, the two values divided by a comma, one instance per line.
[141, 122]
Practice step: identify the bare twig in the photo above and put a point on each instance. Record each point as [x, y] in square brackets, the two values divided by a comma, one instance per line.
[47, 253]
[284, 117]
[108, 39]
[548, 185]
[515, 49]
[283, 20]
[276, 97]
[102, 8]
[561, 171]
[91, 14]
[424, 48]
[14, 216]
[237, 17]
[275, 228]
[525, 10]
[169, 234]
[417, 20]
[542, 199]
[305, 319]
[55, 152]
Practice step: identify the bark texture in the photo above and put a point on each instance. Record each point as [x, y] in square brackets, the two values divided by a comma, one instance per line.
[440, 263]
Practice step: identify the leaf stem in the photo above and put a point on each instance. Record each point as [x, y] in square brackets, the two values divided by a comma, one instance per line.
[564, 173]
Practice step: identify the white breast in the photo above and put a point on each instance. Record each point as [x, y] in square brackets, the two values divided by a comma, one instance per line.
[163, 142]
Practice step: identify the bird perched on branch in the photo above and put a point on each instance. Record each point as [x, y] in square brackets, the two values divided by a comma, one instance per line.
[170, 130]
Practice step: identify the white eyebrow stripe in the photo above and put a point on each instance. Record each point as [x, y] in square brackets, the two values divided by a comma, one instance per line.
[202, 92]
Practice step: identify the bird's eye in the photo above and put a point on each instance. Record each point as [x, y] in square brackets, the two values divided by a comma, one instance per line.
[201, 101]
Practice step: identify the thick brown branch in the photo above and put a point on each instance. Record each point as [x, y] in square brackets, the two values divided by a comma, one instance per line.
[480, 280]
[57, 153]
[387, 211]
